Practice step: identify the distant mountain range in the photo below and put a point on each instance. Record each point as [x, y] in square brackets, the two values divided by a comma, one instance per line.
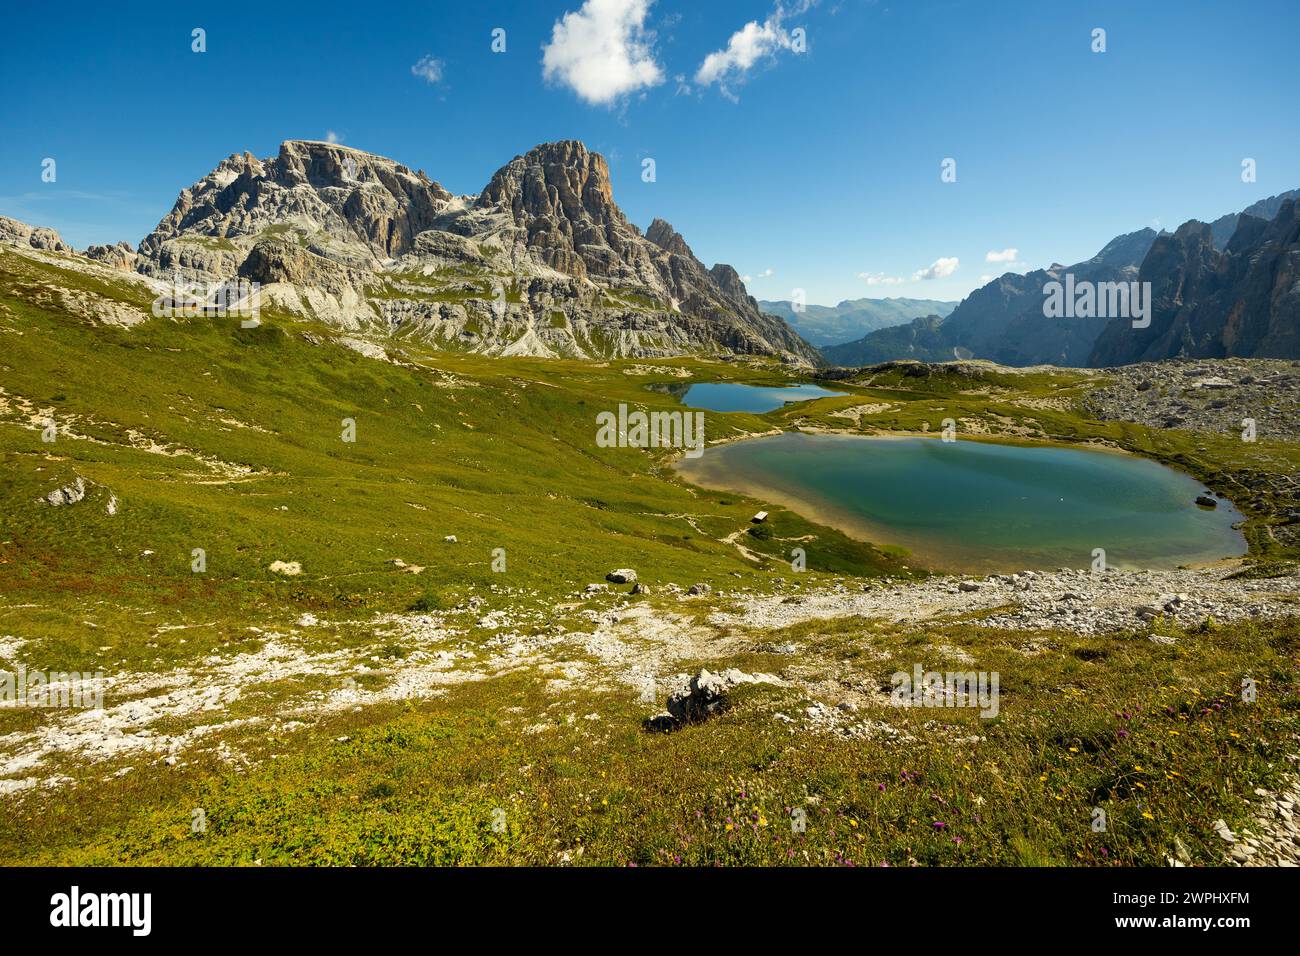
[851, 319]
[1228, 288]
[1003, 321]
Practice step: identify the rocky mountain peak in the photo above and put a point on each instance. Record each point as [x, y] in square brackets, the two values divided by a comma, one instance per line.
[563, 180]
[667, 238]
[353, 196]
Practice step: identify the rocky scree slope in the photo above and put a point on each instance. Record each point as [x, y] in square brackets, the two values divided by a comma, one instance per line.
[542, 262]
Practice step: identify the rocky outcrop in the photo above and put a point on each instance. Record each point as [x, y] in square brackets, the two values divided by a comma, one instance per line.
[1243, 301]
[277, 261]
[706, 694]
[119, 256]
[18, 233]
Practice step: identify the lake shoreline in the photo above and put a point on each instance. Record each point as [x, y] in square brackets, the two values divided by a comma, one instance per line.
[933, 556]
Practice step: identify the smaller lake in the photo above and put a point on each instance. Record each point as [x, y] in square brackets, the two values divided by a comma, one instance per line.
[756, 399]
[979, 506]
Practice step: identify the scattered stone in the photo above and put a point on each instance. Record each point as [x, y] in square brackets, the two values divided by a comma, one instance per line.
[287, 568]
[968, 586]
[697, 589]
[68, 494]
[621, 576]
[450, 539]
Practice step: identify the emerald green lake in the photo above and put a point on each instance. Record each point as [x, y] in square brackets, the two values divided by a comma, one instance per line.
[978, 506]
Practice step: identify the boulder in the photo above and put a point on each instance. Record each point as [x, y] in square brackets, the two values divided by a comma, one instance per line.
[68, 494]
[706, 694]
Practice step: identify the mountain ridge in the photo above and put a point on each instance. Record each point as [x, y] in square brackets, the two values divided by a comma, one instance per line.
[541, 262]
[850, 319]
[1004, 320]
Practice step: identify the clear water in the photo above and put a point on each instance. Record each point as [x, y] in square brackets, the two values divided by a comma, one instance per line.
[978, 506]
[757, 399]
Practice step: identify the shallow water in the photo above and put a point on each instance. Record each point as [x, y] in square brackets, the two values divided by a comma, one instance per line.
[979, 506]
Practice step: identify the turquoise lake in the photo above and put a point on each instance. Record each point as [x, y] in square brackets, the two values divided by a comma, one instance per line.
[979, 506]
[756, 399]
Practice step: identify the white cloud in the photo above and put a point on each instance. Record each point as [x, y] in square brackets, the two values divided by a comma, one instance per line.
[766, 273]
[1005, 255]
[429, 68]
[748, 45]
[332, 137]
[603, 52]
[939, 269]
[880, 278]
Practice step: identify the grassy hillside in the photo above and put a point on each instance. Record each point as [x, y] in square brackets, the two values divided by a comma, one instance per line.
[287, 717]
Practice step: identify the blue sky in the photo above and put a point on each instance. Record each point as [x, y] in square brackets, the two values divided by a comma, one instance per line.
[811, 169]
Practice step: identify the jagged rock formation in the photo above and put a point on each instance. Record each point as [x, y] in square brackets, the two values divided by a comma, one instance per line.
[38, 237]
[1243, 301]
[542, 262]
[120, 255]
